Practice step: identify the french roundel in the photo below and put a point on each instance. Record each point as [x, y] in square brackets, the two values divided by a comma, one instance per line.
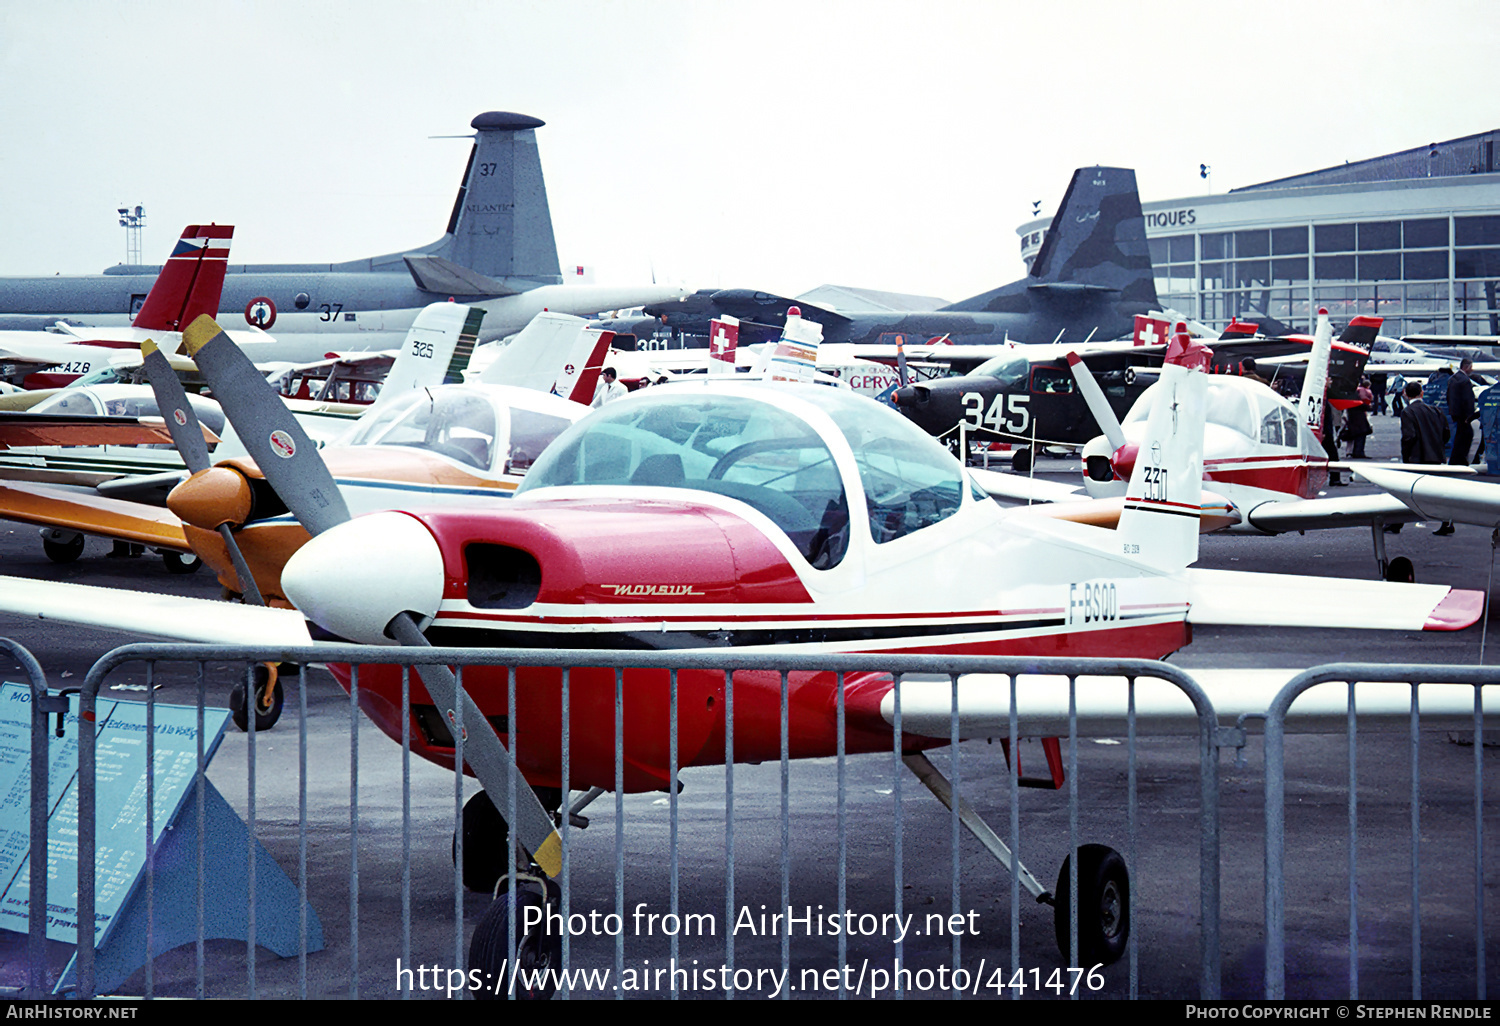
[260, 312]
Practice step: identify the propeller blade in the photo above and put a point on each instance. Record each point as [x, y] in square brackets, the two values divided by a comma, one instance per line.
[187, 435]
[292, 466]
[269, 432]
[1093, 395]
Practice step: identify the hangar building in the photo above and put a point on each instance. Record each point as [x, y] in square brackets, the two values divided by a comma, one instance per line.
[1413, 237]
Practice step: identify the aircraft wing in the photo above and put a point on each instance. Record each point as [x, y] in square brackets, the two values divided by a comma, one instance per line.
[91, 513]
[163, 616]
[1024, 489]
[25, 428]
[1433, 497]
[1428, 367]
[1248, 599]
[1281, 516]
[1161, 707]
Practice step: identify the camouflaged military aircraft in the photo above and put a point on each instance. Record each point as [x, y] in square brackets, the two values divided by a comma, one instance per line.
[1090, 278]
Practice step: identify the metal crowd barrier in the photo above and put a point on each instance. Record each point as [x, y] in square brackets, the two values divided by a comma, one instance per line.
[1198, 719]
[1354, 675]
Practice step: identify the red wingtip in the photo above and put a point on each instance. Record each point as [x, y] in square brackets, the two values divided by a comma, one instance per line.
[1322, 311]
[1459, 609]
[795, 311]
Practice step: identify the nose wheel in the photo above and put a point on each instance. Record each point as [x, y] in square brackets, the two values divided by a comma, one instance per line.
[1103, 906]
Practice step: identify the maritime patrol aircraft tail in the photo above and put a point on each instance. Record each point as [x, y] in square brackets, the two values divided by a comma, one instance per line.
[190, 281]
[1094, 257]
[501, 226]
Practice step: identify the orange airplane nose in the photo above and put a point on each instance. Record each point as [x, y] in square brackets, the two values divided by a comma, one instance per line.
[212, 497]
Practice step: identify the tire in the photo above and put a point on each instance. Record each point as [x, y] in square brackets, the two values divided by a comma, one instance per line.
[486, 844]
[1103, 908]
[63, 551]
[265, 717]
[536, 951]
[181, 562]
[1020, 460]
[1401, 570]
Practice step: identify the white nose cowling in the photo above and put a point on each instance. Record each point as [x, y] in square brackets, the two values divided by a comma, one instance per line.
[353, 579]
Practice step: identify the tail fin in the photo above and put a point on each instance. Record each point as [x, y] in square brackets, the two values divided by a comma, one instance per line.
[1098, 237]
[556, 353]
[589, 350]
[1315, 381]
[723, 337]
[436, 350]
[191, 280]
[1159, 524]
[795, 356]
[501, 225]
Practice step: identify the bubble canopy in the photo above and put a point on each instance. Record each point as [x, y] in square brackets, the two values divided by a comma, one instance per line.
[795, 453]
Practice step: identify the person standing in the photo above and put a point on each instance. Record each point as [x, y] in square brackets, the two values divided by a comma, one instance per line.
[1424, 434]
[609, 389]
[1463, 409]
[1357, 421]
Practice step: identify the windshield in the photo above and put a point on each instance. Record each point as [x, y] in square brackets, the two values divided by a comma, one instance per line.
[1006, 369]
[450, 422]
[746, 449]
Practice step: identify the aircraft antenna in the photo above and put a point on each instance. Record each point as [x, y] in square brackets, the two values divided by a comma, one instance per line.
[132, 222]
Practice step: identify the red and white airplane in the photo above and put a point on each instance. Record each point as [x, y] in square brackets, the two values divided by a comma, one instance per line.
[189, 285]
[1262, 456]
[784, 517]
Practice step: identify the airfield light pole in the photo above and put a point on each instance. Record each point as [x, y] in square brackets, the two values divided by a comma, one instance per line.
[132, 222]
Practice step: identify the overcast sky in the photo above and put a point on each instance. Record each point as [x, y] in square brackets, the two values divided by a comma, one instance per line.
[759, 144]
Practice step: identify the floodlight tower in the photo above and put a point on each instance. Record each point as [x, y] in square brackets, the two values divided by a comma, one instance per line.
[132, 222]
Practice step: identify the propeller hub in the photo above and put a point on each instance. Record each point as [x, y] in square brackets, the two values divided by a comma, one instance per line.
[1124, 459]
[354, 579]
[217, 495]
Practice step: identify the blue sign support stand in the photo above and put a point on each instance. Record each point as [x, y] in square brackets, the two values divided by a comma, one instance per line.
[121, 928]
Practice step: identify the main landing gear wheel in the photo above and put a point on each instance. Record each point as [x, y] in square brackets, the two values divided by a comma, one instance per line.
[1103, 906]
[181, 562]
[63, 551]
[269, 699]
[1020, 460]
[537, 950]
[1401, 570]
[487, 838]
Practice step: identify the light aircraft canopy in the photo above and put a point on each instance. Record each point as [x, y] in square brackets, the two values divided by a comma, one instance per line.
[818, 463]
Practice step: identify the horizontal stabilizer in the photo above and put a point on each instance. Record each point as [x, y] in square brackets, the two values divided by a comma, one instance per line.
[1247, 599]
[1070, 288]
[1161, 707]
[444, 277]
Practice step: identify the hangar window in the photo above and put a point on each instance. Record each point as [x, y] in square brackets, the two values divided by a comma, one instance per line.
[1379, 235]
[1379, 266]
[1476, 263]
[1476, 231]
[1333, 238]
[1428, 232]
[1287, 241]
[1252, 244]
[1426, 265]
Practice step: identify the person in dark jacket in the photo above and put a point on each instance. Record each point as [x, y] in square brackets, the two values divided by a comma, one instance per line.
[1424, 434]
[1424, 431]
[1463, 410]
[1357, 421]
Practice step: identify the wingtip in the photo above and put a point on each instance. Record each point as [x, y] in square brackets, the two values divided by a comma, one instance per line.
[1457, 610]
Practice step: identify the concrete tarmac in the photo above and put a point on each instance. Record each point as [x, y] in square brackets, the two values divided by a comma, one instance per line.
[1164, 867]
